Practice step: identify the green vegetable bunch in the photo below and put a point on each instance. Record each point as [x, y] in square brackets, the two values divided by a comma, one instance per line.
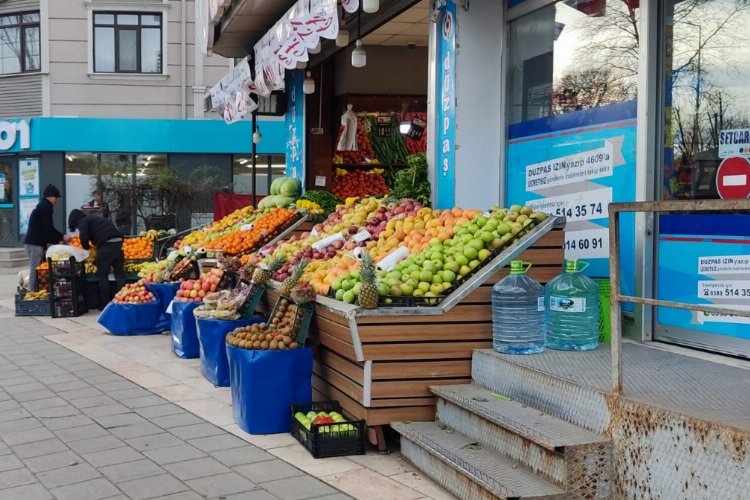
[412, 182]
[326, 200]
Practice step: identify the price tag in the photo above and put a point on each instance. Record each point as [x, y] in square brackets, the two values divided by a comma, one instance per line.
[265, 251]
[314, 233]
[172, 256]
[320, 180]
[361, 236]
[247, 227]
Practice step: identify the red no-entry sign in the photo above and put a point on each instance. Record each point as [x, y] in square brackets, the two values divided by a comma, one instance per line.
[733, 178]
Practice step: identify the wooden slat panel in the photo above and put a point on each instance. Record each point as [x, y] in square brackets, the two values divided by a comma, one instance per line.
[336, 330]
[354, 371]
[342, 383]
[459, 314]
[336, 318]
[410, 388]
[435, 350]
[541, 274]
[421, 369]
[327, 392]
[414, 333]
[383, 403]
[555, 238]
[344, 349]
[539, 256]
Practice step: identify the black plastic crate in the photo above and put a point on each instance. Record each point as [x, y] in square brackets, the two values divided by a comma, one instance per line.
[68, 308]
[329, 440]
[66, 268]
[427, 301]
[31, 307]
[393, 301]
[302, 317]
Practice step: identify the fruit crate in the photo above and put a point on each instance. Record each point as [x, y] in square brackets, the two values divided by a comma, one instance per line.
[328, 440]
[228, 280]
[68, 308]
[393, 301]
[248, 308]
[427, 301]
[42, 278]
[31, 307]
[302, 318]
[187, 268]
[66, 268]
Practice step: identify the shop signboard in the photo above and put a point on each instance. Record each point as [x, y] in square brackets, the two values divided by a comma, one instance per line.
[445, 173]
[28, 191]
[575, 165]
[12, 133]
[734, 142]
[295, 125]
[705, 259]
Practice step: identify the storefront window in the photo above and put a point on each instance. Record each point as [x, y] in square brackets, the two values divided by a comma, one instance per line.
[268, 168]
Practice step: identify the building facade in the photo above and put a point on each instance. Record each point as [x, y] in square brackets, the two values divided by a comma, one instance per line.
[109, 95]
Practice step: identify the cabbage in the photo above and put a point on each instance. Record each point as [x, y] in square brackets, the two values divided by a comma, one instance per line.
[283, 201]
[267, 202]
[290, 187]
[276, 184]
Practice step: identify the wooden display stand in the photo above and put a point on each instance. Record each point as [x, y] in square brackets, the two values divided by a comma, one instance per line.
[379, 364]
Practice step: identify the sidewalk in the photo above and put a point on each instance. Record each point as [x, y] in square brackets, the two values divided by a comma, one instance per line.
[90, 415]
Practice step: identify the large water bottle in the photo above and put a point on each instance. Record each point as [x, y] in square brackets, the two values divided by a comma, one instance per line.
[572, 301]
[518, 312]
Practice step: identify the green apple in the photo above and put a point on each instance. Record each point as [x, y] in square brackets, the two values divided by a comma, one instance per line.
[395, 291]
[425, 275]
[470, 253]
[425, 286]
[477, 244]
[418, 292]
[448, 276]
[503, 228]
[347, 284]
[473, 228]
[437, 288]
[437, 277]
[429, 266]
[486, 236]
[461, 260]
[336, 285]
[464, 270]
[483, 254]
[481, 220]
[382, 289]
[451, 266]
[349, 296]
[340, 294]
[355, 275]
[473, 263]
[406, 289]
[357, 288]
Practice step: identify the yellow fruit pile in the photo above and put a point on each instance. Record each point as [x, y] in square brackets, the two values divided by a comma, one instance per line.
[40, 295]
[311, 207]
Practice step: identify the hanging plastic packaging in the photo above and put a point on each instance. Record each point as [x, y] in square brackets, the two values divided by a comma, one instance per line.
[212, 338]
[166, 293]
[260, 405]
[184, 331]
[132, 319]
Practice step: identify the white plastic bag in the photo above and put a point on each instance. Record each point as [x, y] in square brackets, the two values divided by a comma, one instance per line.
[79, 253]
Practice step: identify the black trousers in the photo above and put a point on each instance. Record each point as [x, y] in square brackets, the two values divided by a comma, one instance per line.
[109, 256]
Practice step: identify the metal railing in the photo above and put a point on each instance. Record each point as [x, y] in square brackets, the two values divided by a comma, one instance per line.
[616, 298]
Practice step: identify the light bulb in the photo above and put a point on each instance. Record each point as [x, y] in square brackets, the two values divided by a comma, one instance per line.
[359, 56]
[314, 50]
[404, 127]
[342, 39]
[308, 85]
[370, 6]
[257, 137]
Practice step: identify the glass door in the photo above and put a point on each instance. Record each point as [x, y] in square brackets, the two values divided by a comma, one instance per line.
[705, 259]
[8, 231]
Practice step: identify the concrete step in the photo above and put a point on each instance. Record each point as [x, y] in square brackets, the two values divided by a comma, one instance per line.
[13, 263]
[583, 406]
[13, 257]
[468, 469]
[575, 458]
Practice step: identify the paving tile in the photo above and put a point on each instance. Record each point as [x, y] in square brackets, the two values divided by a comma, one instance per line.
[196, 431]
[26, 436]
[268, 470]
[215, 443]
[67, 475]
[128, 471]
[152, 487]
[68, 385]
[340, 496]
[185, 495]
[257, 494]
[95, 444]
[123, 419]
[38, 448]
[117, 385]
[30, 386]
[113, 456]
[21, 424]
[52, 461]
[57, 423]
[16, 477]
[9, 404]
[82, 432]
[136, 430]
[110, 409]
[143, 401]
[13, 414]
[199, 467]
[92, 401]
[10, 462]
[34, 491]
[174, 454]
[89, 490]
[367, 484]
[41, 404]
[297, 488]
[59, 411]
[154, 442]
[221, 484]
[177, 420]
[34, 395]
[130, 393]
[79, 393]
[301, 458]
[421, 483]
[159, 410]
[387, 465]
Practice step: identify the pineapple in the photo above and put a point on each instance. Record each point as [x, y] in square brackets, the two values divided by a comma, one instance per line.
[368, 294]
[264, 272]
[293, 279]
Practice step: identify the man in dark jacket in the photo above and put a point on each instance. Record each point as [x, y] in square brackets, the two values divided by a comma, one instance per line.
[41, 232]
[103, 234]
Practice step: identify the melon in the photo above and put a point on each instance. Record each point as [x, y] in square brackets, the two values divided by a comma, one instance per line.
[290, 187]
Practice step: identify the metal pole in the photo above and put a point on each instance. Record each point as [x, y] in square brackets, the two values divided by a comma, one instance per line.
[614, 299]
[253, 152]
[269, 174]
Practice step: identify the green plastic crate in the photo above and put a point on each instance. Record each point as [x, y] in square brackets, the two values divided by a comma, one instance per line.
[605, 322]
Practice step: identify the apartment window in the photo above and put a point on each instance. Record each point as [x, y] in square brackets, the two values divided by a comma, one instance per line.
[19, 43]
[127, 42]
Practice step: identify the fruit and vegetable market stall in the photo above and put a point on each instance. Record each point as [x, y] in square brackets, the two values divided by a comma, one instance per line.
[379, 363]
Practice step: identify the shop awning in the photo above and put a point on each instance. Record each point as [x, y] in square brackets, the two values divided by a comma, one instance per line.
[238, 24]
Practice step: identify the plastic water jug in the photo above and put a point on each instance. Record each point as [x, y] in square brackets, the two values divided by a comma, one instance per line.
[572, 302]
[518, 312]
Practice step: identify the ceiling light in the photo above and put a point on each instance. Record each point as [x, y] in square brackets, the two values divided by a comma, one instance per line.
[342, 39]
[308, 85]
[359, 56]
[243, 161]
[69, 157]
[370, 6]
[404, 127]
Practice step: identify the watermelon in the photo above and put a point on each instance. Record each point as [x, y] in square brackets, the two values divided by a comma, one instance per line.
[276, 184]
[283, 201]
[290, 187]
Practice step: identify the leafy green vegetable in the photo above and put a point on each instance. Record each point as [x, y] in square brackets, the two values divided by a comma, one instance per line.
[326, 200]
[412, 182]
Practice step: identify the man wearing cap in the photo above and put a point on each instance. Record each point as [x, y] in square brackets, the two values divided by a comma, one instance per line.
[41, 232]
[103, 234]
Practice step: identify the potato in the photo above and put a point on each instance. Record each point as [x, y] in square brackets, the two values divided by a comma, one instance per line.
[264, 344]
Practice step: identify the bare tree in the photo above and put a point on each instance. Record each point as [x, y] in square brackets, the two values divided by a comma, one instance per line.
[587, 88]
